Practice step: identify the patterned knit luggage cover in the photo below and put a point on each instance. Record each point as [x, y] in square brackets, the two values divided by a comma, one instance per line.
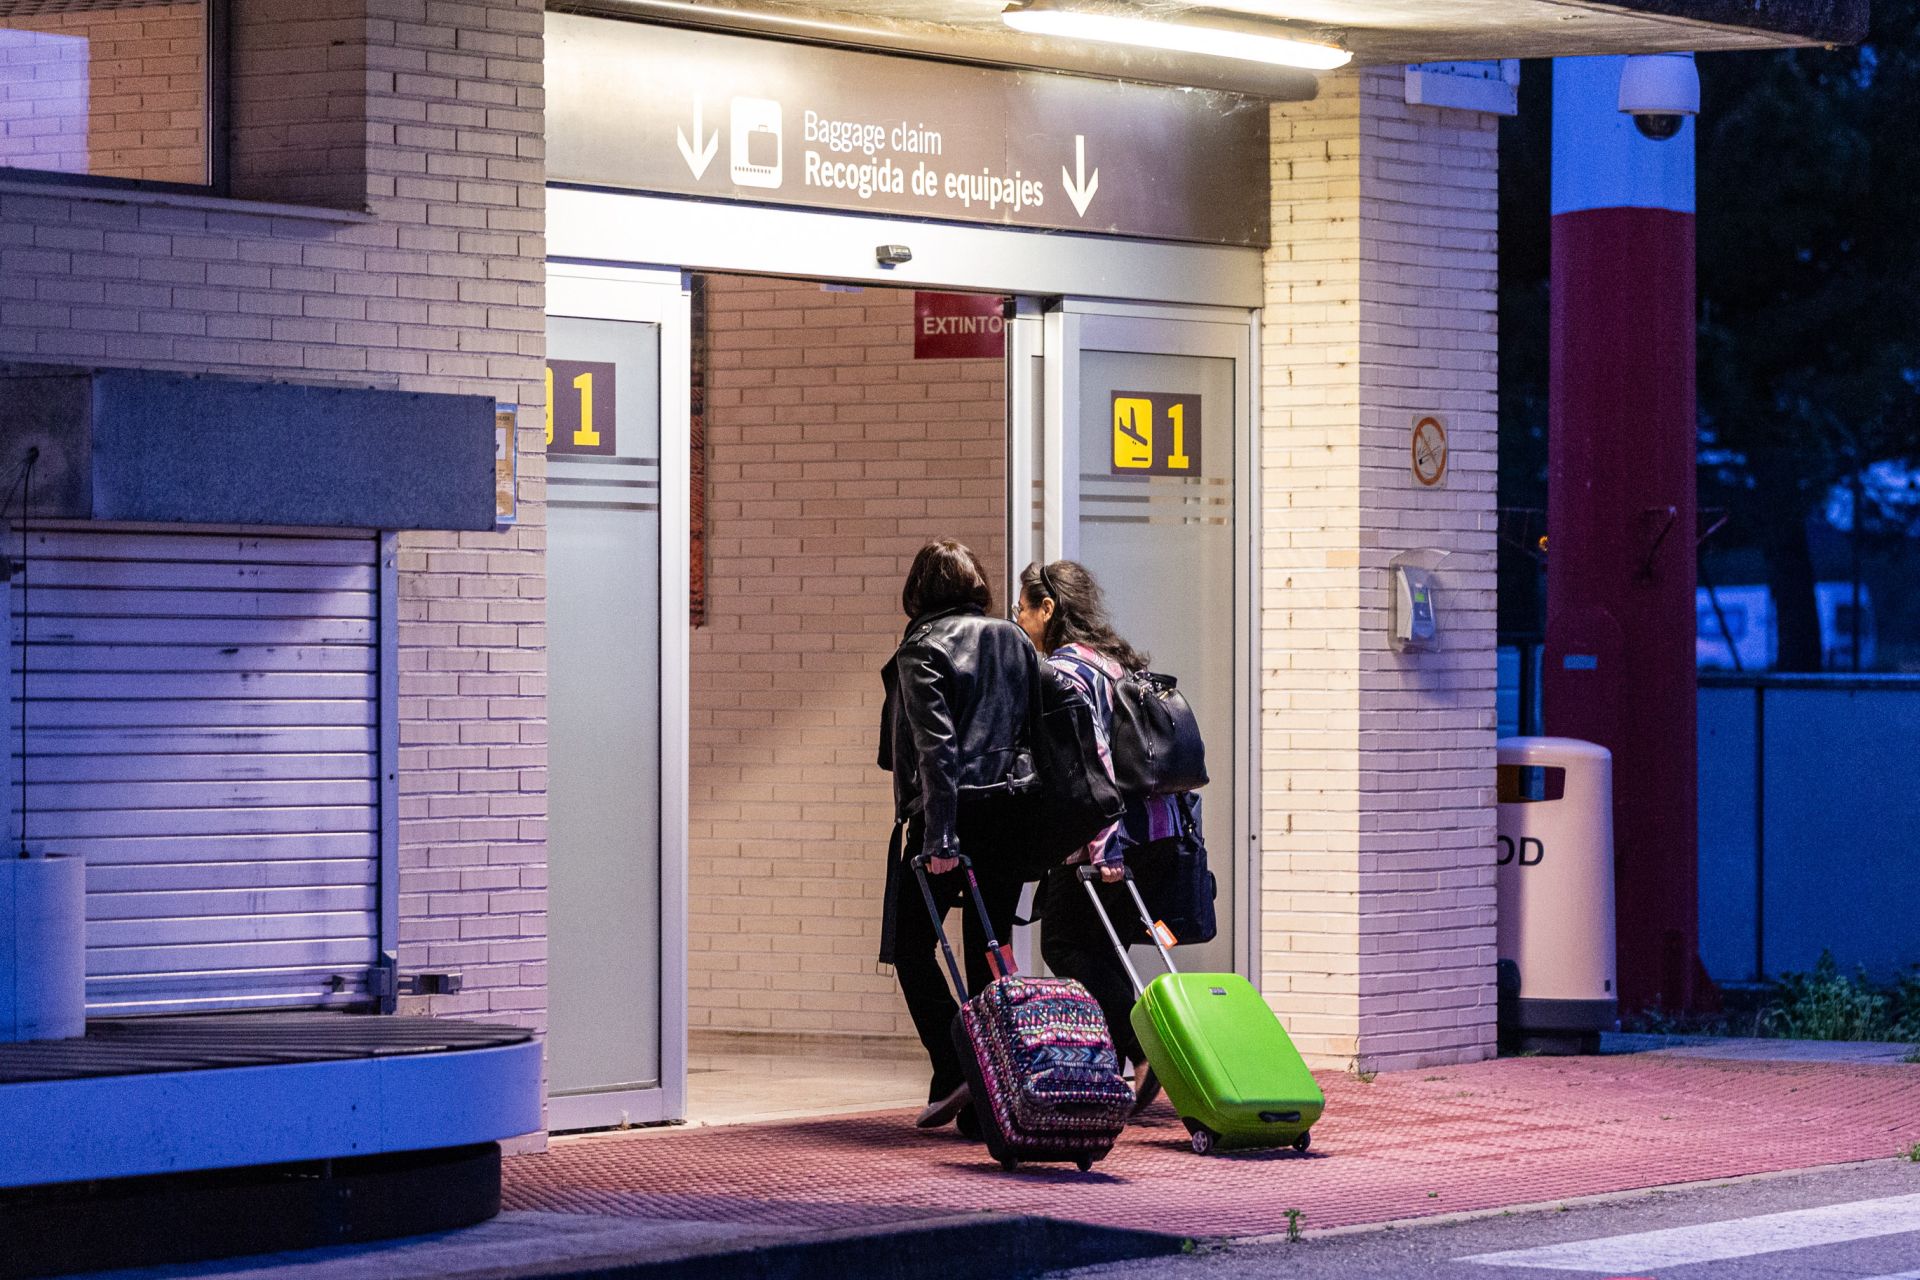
[1038, 1057]
[1048, 1085]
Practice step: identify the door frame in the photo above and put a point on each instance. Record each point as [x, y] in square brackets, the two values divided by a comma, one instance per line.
[658, 297]
[1060, 332]
[589, 225]
[589, 229]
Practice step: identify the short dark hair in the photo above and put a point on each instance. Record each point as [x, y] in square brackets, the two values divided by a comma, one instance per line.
[945, 574]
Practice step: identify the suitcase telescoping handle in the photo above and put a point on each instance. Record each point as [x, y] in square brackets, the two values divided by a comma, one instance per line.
[999, 958]
[1087, 877]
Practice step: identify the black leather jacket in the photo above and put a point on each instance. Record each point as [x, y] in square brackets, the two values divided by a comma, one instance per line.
[959, 693]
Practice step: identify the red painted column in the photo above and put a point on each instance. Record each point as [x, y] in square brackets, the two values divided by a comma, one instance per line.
[1619, 666]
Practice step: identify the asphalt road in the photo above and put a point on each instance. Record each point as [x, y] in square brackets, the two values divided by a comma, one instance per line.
[1860, 1222]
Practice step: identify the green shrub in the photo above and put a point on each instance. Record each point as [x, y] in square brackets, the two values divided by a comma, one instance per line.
[1828, 1005]
[1824, 1004]
[1904, 1006]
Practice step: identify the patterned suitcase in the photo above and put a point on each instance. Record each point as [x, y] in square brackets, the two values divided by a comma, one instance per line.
[1227, 1064]
[1039, 1060]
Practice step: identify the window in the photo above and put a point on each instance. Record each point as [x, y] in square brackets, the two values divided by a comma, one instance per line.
[112, 89]
[1707, 623]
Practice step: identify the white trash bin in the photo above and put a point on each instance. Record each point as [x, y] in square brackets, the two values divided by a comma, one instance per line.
[1555, 895]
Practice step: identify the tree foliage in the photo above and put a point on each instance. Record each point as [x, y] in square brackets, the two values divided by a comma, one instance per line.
[1809, 268]
[1808, 164]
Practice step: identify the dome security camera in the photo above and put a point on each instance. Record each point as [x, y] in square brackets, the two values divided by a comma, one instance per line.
[1658, 127]
[1659, 90]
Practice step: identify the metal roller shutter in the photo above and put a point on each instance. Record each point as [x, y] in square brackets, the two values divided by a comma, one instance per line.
[203, 725]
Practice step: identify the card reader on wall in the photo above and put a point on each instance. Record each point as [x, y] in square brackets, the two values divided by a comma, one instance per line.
[1416, 624]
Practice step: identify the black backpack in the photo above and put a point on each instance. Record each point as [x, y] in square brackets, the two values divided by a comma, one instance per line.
[1156, 743]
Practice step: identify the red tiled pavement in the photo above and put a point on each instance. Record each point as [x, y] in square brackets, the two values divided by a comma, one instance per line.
[1407, 1145]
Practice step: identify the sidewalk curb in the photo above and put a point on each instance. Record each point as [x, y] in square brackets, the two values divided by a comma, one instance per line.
[1462, 1217]
[961, 1247]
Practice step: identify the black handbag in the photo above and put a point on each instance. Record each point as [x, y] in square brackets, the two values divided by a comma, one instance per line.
[1034, 823]
[1173, 878]
[1157, 748]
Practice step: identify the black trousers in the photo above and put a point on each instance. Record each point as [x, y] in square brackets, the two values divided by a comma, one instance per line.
[1075, 945]
[921, 969]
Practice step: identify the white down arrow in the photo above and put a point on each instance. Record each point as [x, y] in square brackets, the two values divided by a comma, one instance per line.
[699, 153]
[1080, 184]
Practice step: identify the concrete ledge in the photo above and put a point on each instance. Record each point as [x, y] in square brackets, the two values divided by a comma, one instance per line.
[127, 1126]
[575, 1246]
[1798, 21]
[144, 1222]
[975, 1247]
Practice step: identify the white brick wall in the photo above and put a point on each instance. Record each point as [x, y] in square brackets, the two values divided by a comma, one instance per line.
[441, 290]
[1377, 821]
[834, 457]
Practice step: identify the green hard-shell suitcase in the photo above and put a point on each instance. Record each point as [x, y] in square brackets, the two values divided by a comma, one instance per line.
[1226, 1063]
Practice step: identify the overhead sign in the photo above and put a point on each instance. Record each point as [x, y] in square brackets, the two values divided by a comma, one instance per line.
[958, 326]
[1155, 434]
[735, 118]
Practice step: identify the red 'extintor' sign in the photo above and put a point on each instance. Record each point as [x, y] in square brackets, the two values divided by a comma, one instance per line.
[958, 326]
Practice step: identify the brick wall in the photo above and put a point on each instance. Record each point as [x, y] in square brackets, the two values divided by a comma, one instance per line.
[129, 85]
[834, 456]
[301, 118]
[1377, 822]
[442, 289]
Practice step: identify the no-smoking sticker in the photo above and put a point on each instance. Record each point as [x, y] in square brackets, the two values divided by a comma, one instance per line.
[1429, 450]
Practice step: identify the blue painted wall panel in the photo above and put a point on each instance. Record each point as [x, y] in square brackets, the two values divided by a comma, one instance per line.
[206, 450]
[1842, 867]
[1726, 832]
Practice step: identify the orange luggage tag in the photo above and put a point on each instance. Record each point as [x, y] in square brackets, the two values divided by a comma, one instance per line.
[1165, 934]
[1000, 961]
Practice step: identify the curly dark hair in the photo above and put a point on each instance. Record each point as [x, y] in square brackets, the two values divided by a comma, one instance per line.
[945, 574]
[1079, 611]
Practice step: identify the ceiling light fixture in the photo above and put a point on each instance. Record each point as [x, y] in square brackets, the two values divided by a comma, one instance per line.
[1246, 41]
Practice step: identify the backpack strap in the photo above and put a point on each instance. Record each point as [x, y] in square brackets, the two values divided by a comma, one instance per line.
[1096, 680]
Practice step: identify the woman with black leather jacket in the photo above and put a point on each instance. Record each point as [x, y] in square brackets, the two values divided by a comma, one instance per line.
[958, 694]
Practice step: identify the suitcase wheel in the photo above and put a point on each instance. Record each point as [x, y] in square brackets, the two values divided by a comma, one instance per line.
[1009, 1164]
[1085, 1163]
[1304, 1141]
[1203, 1140]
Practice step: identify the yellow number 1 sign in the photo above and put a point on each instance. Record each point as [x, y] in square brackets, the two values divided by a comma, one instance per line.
[580, 406]
[1155, 433]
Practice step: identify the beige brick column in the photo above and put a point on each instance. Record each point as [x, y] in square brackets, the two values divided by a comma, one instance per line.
[1377, 818]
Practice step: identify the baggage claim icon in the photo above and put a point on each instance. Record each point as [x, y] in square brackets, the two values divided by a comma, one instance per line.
[1140, 446]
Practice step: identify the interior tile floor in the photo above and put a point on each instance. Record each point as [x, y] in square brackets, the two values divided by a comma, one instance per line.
[737, 1078]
